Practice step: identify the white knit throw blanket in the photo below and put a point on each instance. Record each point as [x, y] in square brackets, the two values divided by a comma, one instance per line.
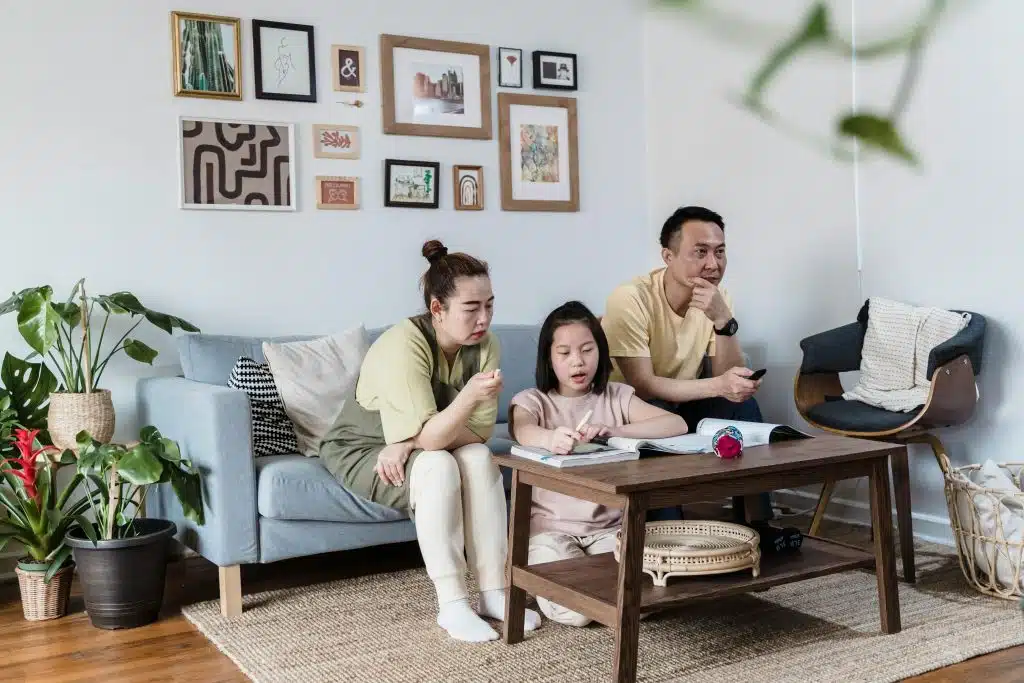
[894, 359]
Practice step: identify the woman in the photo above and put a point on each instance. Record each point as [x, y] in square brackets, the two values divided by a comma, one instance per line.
[413, 438]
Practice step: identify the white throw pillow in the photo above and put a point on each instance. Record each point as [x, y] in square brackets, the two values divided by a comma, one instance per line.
[314, 379]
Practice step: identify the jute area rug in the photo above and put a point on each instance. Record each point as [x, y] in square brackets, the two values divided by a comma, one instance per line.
[381, 628]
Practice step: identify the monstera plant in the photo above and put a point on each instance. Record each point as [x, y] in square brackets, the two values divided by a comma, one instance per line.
[62, 334]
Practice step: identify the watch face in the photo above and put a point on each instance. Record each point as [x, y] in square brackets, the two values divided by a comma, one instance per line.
[730, 328]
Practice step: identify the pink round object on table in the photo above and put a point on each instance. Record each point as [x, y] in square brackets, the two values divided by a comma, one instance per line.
[727, 442]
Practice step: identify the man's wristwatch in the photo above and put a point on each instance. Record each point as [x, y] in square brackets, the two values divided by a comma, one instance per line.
[729, 329]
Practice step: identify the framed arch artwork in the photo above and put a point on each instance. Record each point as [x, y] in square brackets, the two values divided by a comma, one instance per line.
[468, 186]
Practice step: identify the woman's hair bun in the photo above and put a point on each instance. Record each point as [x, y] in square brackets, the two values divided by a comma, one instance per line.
[434, 250]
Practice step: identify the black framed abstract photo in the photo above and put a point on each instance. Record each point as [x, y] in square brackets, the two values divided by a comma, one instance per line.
[555, 70]
[284, 61]
[411, 184]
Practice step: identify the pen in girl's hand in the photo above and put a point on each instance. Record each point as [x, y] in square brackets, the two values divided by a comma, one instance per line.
[584, 421]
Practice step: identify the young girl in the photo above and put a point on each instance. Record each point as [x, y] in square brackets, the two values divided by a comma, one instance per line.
[573, 365]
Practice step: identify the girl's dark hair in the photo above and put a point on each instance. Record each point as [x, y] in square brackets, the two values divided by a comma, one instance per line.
[439, 280]
[568, 313]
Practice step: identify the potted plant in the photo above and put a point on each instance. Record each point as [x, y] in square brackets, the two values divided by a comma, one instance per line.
[39, 517]
[49, 328]
[122, 557]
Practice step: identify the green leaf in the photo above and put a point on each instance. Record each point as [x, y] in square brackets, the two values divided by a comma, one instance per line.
[29, 386]
[63, 553]
[101, 487]
[139, 351]
[87, 528]
[13, 302]
[4, 540]
[187, 487]
[814, 30]
[120, 303]
[70, 313]
[878, 132]
[139, 466]
[38, 320]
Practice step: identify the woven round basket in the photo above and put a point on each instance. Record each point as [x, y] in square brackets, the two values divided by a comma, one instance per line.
[697, 548]
[40, 600]
[979, 517]
[71, 413]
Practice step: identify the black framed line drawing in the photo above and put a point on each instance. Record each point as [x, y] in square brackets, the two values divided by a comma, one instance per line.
[510, 67]
[555, 70]
[284, 58]
[411, 184]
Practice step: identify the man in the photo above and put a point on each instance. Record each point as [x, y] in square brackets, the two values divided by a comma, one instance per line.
[672, 334]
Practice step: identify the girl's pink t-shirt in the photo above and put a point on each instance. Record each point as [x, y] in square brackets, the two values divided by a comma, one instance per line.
[553, 511]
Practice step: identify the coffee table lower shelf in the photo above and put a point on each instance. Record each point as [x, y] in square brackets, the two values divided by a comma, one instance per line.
[589, 585]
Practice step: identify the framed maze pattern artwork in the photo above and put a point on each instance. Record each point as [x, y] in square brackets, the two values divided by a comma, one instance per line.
[236, 165]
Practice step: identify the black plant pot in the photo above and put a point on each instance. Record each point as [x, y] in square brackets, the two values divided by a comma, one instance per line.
[123, 578]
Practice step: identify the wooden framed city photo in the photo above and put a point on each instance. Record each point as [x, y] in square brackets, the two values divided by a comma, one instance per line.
[437, 88]
[539, 153]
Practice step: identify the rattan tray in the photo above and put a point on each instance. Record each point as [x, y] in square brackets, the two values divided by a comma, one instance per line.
[697, 548]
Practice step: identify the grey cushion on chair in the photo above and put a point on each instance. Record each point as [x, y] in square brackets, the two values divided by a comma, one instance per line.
[855, 416]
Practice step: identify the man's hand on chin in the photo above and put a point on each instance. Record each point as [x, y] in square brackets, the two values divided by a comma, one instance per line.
[707, 298]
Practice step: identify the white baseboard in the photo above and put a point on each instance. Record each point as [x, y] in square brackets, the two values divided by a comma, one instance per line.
[931, 528]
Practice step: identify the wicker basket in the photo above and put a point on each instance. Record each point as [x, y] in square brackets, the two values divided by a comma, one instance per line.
[71, 413]
[40, 600]
[697, 548]
[990, 562]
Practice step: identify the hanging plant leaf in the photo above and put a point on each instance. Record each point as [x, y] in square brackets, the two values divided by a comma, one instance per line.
[877, 132]
[139, 351]
[38, 320]
[29, 386]
[70, 313]
[815, 29]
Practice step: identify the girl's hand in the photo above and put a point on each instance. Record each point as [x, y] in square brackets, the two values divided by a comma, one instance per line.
[562, 440]
[391, 460]
[483, 386]
[592, 431]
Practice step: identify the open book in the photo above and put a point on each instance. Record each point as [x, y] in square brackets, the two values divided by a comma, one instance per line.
[619, 448]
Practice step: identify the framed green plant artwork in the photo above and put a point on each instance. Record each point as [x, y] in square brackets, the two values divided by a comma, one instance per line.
[207, 56]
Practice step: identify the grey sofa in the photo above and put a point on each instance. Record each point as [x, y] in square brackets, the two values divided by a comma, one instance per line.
[261, 510]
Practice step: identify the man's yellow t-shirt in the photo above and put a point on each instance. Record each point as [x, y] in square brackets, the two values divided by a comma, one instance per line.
[639, 323]
[394, 380]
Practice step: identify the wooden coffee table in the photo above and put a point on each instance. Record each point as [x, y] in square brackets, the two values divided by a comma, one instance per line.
[615, 594]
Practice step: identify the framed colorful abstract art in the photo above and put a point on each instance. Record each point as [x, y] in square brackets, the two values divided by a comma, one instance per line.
[236, 165]
[207, 56]
[337, 192]
[539, 154]
[336, 142]
[437, 88]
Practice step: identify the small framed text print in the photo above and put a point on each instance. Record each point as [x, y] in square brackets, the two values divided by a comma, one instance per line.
[337, 192]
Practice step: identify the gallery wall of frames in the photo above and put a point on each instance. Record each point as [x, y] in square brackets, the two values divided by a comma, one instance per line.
[428, 87]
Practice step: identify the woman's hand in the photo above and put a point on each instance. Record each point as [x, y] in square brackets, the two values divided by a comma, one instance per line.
[391, 460]
[592, 431]
[562, 440]
[483, 386]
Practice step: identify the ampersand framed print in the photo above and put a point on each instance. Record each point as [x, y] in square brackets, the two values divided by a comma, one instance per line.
[348, 63]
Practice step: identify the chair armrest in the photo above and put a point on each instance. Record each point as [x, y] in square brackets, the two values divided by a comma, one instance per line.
[969, 340]
[212, 425]
[837, 350]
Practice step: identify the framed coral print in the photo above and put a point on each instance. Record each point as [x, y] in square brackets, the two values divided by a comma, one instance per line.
[336, 142]
[411, 183]
[337, 192]
[438, 88]
[468, 185]
[207, 56]
[539, 154]
[347, 67]
[236, 165]
[284, 59]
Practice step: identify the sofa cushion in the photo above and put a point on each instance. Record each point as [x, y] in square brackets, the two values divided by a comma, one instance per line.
[272, 431]
[518, 361]
[300, 488]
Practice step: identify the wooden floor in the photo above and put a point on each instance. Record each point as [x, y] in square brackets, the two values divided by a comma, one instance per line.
[72, 650]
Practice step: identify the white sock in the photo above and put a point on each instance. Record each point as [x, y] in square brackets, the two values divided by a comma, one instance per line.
[462, 623]
[492, 604]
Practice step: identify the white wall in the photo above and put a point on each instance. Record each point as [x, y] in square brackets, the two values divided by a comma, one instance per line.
[90, 173]
[944, 235]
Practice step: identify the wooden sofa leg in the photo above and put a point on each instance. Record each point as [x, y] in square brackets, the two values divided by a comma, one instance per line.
[230, 590]
[819, 511]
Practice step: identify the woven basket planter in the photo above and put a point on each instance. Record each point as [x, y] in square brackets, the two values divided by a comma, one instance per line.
[990, 561]
[71, 413]
[697, 548]
[40, 600]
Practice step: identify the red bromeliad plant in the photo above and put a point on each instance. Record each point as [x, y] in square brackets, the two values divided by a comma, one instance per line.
[38, 515]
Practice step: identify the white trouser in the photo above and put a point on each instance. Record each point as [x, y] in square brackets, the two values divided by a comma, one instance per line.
[552, 546]
[458, 504]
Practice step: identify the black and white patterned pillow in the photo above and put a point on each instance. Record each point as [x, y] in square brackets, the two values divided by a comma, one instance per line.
[272, 430]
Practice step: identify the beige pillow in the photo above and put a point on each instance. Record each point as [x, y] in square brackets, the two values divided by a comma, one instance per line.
[314, 379]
